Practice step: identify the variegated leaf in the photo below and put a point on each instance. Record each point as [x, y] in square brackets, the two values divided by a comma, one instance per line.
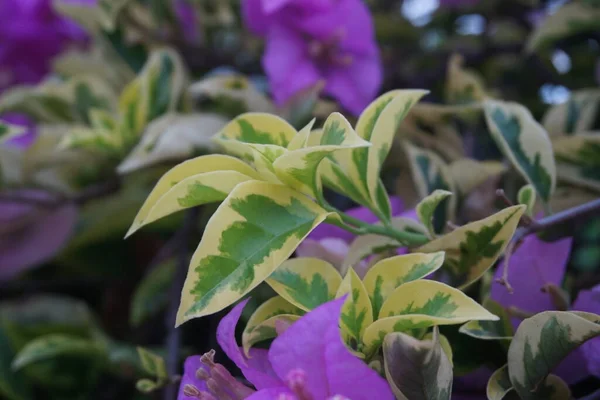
[428, 206]
[431, 173]
[252, 232]
[9, 131]
[468, 174]
[539, 345]
[378, 124]
[526, 196]
[473, 248]
[384, 277]
[146, 385]
[173, 137]
[357, 312]
[233, 88]
[582, 149]
[524, 142]
[578, 114]
[152, 363]
[262, 324]
[199, 166]
[300, 140]
[499, 386]
[421, 304]
[108, 12]
[298, 168]
[254, 128]
[306, 282]
[571, 19]
[55, 345]
[100, 142]
[585, 177]
[415, 369]
[156, 91]
[366, 245]
[490, 330]
[463, 87]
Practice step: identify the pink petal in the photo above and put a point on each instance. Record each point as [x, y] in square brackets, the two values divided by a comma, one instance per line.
[287, 63]
[28, 243]
[532, 265]
[270, 394]
[314, 345]
[255, 18]
[589, 301]
[191, 365]
[356, 85]
[332, 250]
[257, 371]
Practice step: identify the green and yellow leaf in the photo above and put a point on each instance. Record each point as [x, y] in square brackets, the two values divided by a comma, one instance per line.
[499, 385]
[524, 142]
[378, 124]
[526, 196]
[578, 114]
[145, 385]
[214, 163]
[173, 137]
[298, 168]
[421, 304]
[108, 12]
[54, 345]
[428, 206]
[152, 363]
[473, 248]
[431, 173]
[468, 174]
[415, 369]
[262, 324]
[582, 149]
[300, 140]
[539, 345]
[463, 86]
[571, 19]
[382, 279]
[252, 233]
[490, 330]
[357, 312]
[306, 282]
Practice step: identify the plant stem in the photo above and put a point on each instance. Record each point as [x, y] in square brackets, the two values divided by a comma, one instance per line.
[173, 342]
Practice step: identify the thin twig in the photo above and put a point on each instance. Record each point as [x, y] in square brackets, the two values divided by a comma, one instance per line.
[173, 342]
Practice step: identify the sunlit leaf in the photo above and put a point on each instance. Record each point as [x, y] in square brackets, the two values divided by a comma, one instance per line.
[252, 232]
[524, 142]
[417, 370]
[473, 248]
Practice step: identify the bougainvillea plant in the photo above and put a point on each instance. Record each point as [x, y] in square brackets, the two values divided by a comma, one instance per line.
[299, 199]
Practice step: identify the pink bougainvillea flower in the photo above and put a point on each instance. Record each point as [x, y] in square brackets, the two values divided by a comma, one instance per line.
[537, 265]
[31, 35]
[308, 361]
[31, 233]
[309, 41]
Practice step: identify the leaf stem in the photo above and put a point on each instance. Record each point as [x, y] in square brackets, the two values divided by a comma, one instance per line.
[358, 227]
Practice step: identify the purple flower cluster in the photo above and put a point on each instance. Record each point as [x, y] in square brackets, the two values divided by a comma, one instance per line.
[312, 41]
[308, 361]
